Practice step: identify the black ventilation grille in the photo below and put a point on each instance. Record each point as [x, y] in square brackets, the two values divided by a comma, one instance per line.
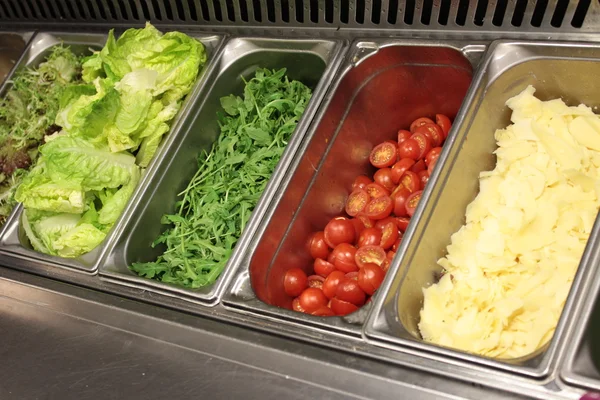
[387, 14]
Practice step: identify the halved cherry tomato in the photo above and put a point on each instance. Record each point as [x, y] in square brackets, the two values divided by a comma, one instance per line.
[365, 222]
[419, 166]
[343, 258]
[444, 123]
[432, 155]
[389, 235]
[375, 190]
[409, 149]
[358, 227]
[412, 202]
[400, 168]
[390, 255]
[383, 177]
[369, 254]
[356, 202]
[385, 265]
[323, 312]
[361, 182]
[312, 299]
[403, 223]
[296, 305]
[382, 222]
[379, 208]
[331, 283]
[433, 132]
[397, 243]
[369, 237]
[411, 181]
[384, 155]
[403, 134]
[370, 278]
[423, 142]
[399, 198]
[317, 246]
[419, 122]
[348, 290]
[339, 230]
[315, 281]
[323, 268]
[431, 165]
[294, 282]
[340, 307]
[424, 177]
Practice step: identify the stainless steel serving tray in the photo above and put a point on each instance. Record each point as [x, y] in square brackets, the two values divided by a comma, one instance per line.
[383, 85]
[12, 48]
[13, 240]
[312, 62]
[555, 69]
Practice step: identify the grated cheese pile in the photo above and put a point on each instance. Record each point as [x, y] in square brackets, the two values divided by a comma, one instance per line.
[510, 267]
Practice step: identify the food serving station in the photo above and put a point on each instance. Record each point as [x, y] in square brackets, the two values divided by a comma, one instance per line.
[105, 320]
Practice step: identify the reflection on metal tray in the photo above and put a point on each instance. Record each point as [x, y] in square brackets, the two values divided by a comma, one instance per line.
[309, 61]
[13, 240]
[555, 70]
[384, 86]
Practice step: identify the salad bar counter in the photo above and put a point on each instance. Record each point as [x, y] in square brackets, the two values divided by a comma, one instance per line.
[299, 199]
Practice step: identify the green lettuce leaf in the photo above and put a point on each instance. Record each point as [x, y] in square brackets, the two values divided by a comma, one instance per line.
[81, 239]
[114, 206]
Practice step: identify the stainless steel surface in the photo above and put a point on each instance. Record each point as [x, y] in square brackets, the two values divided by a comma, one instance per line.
[312, 62]
[12, 46]
[384, 85]
[13, 240]
[555, 70]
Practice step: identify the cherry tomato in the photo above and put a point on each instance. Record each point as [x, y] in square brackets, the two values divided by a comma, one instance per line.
[348, 290]
[424, 177]
[390, 255]
[383, 222]
[411, 181]
[383, 177]
[370, 278]
[343, 258]
[323, 312]
[352, 275]
[444, 123]
[369, 254]
[369, 237]
[403, 223]
[385, 265]
[312, 299]
[375, 190]
[400, 168]
[365, 222]
[339, 230]
[358, 227]
[409, 149]
[379, 208]
[397, 243]
[384, 155]
[433, 132]
[357, 201]
[331, 283]
[361, 182]
[412, 202]
[431, 165]
[389, 235]
[419, 122]
[403, 134]
[340, 307]
[432, 155]
[315, 281]
[323, 268]
[294, 282]
[399, 197]
[296, 305]
[423, 142]
[419, 166]
[318, 247]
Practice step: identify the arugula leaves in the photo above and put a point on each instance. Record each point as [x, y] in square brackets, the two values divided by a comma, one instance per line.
[216, 206]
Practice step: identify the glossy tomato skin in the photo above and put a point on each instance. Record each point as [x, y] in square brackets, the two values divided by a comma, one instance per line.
[400, 168]
[365, 222]
[370, 278]
[358, 227]
[369, 255]
[375, 190]
[356, 202]
[361, 182]
[379, 208]
[382, 223]
[419, 122]
[403, 134]
[312, 299]
[369, 237]
[343, 257]
[431, 165]
[433, 132]
[409, 149]
[348, 290]
[294, 282]
[403, 223]
[384, 155]
[411, 181]
[341, 308]
[317, 245]
[399, 197]
[389, 235]
[412, 202]
[423, 142]
[397, 243]
[323, 268]
[383, 177]
[323, 312]
[331, 283]
[339, 230]
[419, 166]
[424, 178]
[444, 123]
[432, 155]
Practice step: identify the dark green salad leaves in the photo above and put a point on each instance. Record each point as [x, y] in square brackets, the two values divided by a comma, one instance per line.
[218, 202]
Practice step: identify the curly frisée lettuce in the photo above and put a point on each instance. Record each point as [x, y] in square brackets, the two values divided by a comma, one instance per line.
[110, 126]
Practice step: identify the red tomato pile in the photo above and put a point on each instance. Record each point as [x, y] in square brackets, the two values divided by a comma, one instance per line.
[352, 254]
